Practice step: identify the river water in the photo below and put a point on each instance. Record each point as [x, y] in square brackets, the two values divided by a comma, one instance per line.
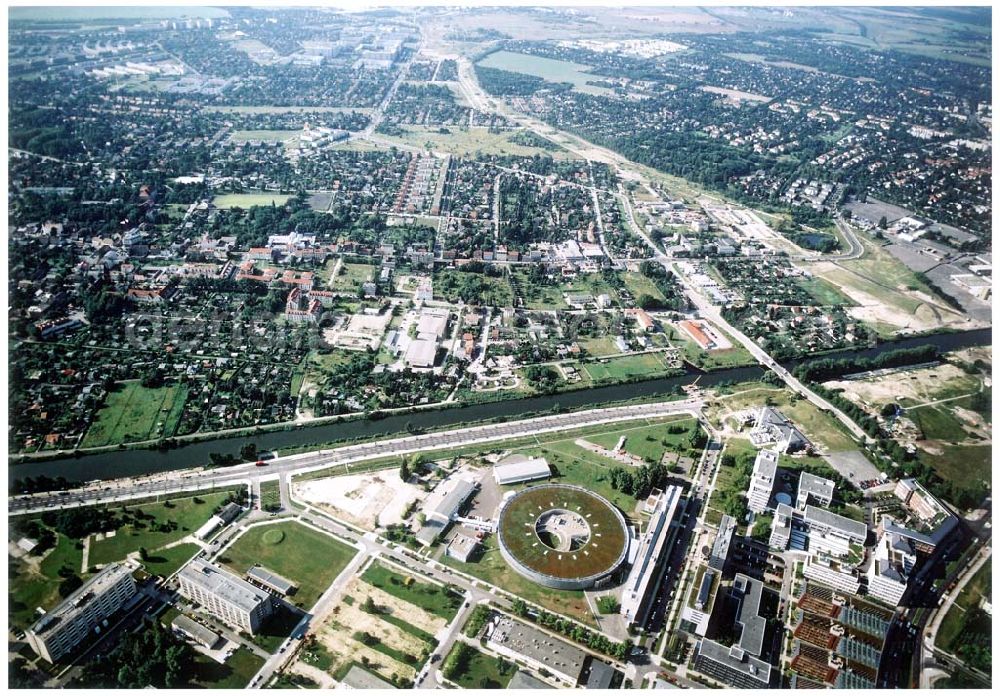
[109, 465]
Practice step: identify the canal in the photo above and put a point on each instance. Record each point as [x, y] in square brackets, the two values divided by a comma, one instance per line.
[107, 465]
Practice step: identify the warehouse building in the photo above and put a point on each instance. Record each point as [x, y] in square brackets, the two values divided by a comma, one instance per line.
[815, 490]
[765, 469]
[742, 665]
[443, 506]
[190, 628]
[518, 468]
[263, 577]
[719, 555]
[535, 647]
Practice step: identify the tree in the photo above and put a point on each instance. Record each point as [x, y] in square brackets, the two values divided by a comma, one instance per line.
[153, 657]
[69, 585]
[882, 223]
[404, 470]
[143, 553]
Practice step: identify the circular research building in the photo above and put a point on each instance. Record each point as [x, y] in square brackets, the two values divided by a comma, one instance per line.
[564, 537]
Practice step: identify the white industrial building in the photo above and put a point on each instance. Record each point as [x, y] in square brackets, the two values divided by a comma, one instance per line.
[518, 468]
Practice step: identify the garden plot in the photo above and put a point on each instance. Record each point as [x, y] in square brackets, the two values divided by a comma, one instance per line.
[367, 500]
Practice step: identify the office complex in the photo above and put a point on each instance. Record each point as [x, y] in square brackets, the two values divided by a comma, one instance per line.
[225, 596]
[654, 549]
[80, 616]
[741, 665]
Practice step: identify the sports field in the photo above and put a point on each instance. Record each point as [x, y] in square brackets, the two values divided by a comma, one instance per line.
[264, 136]
[304, 555]
[248, 200]
[134, 413]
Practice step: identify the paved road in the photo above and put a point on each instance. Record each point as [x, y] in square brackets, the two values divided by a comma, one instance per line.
[204, 479]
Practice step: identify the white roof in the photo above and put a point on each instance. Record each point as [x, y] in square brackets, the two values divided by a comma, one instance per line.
[522, 470]
[421, 353]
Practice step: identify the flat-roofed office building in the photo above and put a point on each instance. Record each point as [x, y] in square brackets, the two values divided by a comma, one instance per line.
[78, 616]
[225, 596]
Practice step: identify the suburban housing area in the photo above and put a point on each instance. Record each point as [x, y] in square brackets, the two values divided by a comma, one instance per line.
[500, 348]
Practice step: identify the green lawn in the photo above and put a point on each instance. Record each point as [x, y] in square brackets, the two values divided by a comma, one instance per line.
[29, 589]
[134, 412]
[651, 441]
[464, 142]
[270, 495]
[427, 596]
[951, 630]
[236, 673]
[248, 200]
[640, 285]
[166, 562]
[964, 465]
[299, 553]
[825, 292]
[483, 671]
[188, 515]
[937, 422]
[351, 276]
[627, 367]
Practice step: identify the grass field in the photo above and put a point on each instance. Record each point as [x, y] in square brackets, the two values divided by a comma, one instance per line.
[188, 515]
[963, 465]
[651, 441]
[270, 495]
[468, 142]
[248, 200]
[236, 673]
[32, 587]
[545, 68]
[640, 285]
[627, 367]
[134, 412]
[937, 423]
[351, 276]
[427, 596]
[302, 554]
[825, 292]
[266, 136]
[492, 568]
[980, 586]
[166, 562]
[484, 671]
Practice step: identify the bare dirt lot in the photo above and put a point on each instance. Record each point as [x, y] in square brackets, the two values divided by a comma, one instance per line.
[339, 631]
[368, 500]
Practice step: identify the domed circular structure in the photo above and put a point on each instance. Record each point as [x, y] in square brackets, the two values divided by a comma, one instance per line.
[560, 536]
